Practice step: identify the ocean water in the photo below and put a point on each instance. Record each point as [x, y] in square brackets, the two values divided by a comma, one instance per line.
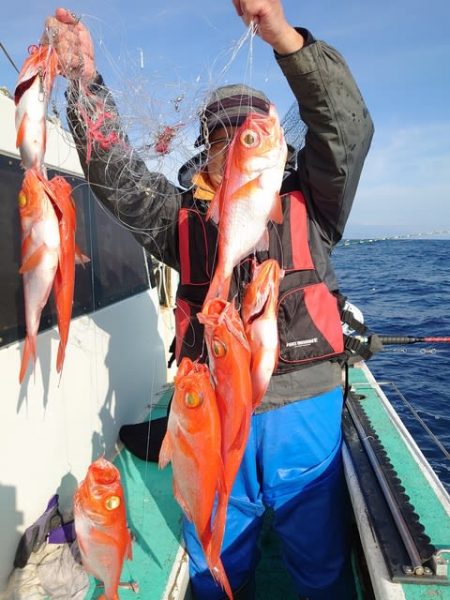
[402, 286]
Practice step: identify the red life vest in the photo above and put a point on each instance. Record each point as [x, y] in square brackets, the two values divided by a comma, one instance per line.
[309, 325]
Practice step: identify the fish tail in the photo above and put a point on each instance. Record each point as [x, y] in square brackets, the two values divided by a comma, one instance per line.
[218, 526]
[218, 572]
[218, 288]
[60, 356]
[29, 351]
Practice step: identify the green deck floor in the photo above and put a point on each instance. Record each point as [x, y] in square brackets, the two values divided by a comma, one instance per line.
[427, 505]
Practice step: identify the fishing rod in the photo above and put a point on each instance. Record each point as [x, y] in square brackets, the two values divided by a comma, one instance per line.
[8, 56]
[397, 339]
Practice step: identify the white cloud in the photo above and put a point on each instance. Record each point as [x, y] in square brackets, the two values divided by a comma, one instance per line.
[406, 180]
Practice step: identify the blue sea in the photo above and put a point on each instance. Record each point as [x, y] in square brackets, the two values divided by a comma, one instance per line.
[402, 286]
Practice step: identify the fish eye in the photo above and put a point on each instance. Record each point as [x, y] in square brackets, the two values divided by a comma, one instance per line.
[249, 138]
[112, 502]
[22, 200]
[193, 399]
[219, 348]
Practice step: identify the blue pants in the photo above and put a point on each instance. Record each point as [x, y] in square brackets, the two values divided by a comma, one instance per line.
[292, 464]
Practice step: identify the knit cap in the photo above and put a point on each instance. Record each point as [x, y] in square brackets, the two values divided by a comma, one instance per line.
[228, 106]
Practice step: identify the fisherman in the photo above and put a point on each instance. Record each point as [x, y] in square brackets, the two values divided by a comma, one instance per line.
[292, 463]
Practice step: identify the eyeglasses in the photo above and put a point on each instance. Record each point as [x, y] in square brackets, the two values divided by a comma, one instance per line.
[222, 140]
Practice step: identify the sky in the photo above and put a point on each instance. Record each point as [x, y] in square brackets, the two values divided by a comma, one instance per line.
[153, 52]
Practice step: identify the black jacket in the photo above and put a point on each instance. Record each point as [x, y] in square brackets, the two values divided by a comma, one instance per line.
[339, 132]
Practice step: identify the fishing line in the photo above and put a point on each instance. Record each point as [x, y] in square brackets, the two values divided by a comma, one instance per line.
[248, 34]
[146, 467]
[419, 419]
[247, 80]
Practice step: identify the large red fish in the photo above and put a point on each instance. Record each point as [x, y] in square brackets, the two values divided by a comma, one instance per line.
[40, 256]
[248, 196]
[63, 285]
[31, 97]
[259, 314]
[192, 445]
[101, 525]
[229, 360]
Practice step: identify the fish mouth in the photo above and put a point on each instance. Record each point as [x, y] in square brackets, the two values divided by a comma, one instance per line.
[103, 473]
[214, 307]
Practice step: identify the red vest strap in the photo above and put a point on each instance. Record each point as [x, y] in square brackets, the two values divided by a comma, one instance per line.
[301, 255]
[183, 233]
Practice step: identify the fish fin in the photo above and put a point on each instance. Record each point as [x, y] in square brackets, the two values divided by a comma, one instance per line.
[241, 436]
[26, 246]
[214, 209]
[219, 520]
[29, 351]
[129, 552]
[81, 546]
[21, 131]
[33, 260]
[263, 243]
[218, 288]
[218, 572]
[276, 214]
[60, 357]
[259, 382]
[246, 190]
[80, 258]
[179, 498]
[185, 447]
[165, 452]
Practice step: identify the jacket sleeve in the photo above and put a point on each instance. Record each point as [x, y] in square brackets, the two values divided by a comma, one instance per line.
[146, 203]
[339, 132]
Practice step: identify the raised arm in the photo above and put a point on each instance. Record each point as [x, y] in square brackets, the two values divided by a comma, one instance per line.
[339, 125]
[145, 202]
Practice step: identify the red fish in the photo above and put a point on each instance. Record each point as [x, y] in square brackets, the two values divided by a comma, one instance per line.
[229, 360]
[101, 525]
[192, 445]
[31, 97]
[63, 285]
[248, 196]
[259, 315]
[40, 256]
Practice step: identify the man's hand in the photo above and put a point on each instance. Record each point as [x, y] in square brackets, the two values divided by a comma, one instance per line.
[272, 26]
[73, 44]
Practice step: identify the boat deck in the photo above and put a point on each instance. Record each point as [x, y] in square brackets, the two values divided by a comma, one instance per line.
[426, 494]
[159, 563]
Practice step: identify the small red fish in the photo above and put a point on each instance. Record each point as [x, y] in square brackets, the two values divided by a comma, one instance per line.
[248, 196]
[259, 314]
[229, 360]
[40, 256]
[101, 525]
[31, 97]
[192, 445]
